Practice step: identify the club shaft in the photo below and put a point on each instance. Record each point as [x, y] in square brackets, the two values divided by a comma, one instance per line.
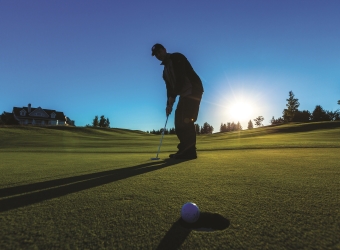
[160, 143]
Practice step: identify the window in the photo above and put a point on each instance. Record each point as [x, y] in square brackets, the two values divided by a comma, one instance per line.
[22, 112]
[53, 115]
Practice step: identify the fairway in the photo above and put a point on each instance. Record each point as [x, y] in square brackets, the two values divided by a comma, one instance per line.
[83, 188]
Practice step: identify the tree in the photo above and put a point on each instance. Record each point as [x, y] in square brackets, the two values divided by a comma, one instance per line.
[107, 123]
[238, 126]
[277, 121]
[250, 125]
[258, 121]
[207, 128]
[166, 131]
[197, 129]
[232, 126]
[229, 127]
[2, 119]
[8, 119]
[319, 114]
[292, 107]
[95, 122]
[170, 131]
[333, 116]
[102, 121]
[223, 127]
[339, 102]
[302, 116]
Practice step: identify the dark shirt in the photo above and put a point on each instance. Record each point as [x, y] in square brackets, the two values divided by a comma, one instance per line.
[179, 76]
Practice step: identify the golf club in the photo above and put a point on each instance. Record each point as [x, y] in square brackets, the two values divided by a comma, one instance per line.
[156, 158]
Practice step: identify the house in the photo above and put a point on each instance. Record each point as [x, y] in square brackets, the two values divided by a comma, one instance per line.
[38, 116]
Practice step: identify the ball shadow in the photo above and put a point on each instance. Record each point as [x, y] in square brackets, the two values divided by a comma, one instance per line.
[207, 222]
[180, 230]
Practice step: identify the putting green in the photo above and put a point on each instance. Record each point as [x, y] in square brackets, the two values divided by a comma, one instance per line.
[274, 197]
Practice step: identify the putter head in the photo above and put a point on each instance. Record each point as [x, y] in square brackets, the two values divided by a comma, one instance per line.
[155, 159]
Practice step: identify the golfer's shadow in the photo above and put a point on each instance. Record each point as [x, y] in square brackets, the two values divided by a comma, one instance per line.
[25, 195]
[179, 231]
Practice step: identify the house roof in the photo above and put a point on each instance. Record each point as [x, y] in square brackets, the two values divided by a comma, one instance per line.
[59, 115]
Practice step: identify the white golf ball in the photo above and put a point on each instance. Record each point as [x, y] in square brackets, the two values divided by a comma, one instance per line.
[190, 212]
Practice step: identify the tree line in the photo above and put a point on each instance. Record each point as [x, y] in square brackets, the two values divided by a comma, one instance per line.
[258, 122]
[205, 129]
[101, 122]
[230, 126]
[8, 119]
[292, 113]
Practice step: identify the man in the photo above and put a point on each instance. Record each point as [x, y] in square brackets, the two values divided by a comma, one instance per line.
[181, 79]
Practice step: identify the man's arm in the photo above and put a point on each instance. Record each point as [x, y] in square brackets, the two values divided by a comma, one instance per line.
[169, 105]
[179, 63]
[171, 97]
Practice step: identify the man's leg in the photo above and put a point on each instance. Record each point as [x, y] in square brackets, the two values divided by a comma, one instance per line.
[185, 117]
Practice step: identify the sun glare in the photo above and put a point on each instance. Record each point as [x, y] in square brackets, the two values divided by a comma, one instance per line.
[241, 110]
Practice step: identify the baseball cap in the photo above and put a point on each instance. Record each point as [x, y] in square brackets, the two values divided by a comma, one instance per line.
[156, 47]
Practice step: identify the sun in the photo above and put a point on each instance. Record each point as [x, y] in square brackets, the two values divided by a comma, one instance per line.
[240, 110]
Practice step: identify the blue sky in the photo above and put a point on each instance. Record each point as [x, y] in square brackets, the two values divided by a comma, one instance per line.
[89, 58]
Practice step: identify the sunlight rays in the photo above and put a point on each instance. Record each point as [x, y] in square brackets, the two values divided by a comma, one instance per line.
[237, 99]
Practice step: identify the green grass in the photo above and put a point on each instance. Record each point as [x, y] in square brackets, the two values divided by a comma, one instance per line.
[84, 188]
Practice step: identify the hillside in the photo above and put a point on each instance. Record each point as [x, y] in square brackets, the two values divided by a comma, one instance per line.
[85, 139]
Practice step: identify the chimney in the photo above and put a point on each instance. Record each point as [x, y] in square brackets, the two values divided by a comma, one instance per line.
[29, 108]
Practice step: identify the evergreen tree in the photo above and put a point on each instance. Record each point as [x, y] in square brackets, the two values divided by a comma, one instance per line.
[95, 122]
[238, 126]
[2, 118]
[292, 107]
[8, 119]
[302, 116]
[278, 121]
[223, 128]
[172, 131]
[250, 124]
[333, 116]
[319, 114]
[197, 128]
[207, 128]
[228, 126]
[102, 121]
[233, 127]
[166, 131]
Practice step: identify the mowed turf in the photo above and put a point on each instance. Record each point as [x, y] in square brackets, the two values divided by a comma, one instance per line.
[278, 186]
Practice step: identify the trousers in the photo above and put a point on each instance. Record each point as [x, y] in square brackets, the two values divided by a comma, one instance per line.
[185, 117]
